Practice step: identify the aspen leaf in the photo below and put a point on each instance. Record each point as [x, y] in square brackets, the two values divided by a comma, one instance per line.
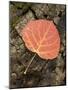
[42, 37]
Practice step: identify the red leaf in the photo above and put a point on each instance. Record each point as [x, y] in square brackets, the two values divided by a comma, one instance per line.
[41, 37]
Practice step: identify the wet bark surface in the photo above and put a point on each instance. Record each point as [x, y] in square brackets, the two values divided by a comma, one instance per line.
[41, 72]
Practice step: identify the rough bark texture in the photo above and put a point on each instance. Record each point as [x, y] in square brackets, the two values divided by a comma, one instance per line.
[40, 72]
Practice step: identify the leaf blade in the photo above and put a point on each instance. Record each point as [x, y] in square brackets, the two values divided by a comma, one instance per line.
[44, 38]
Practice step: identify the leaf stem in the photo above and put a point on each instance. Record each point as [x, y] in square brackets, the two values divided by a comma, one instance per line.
[29, 64]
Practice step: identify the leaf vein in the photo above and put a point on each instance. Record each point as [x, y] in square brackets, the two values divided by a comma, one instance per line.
[44, 37]
[29, 40]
